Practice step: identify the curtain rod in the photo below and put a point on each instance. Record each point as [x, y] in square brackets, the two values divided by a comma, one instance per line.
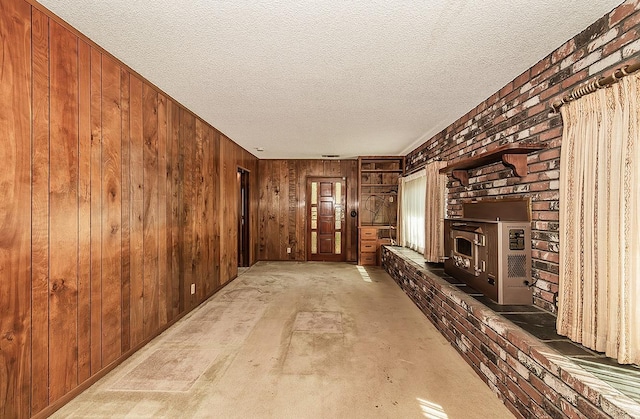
[599, 83]
[417, 169]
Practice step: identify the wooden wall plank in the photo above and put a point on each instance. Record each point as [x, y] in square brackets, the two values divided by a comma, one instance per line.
[187, 157]
[223, 199]
[274, 211]
[279, 194]
[84, 212]
[96, 208]
[254, 191]
[264, 199]
[111, 212]
[63, 189]
[208, 215]
[15, 208]
[283, 212]
[126, 209]
[136, 225]
[215, 208]
[40, 215]
[301, 216]
[214, 247]
[150, 219]
[203, 205]
[292, 238]
[176, 301]
[163, 210]
[228, 200]
[233, 210]
[222, 166]
[269, 218]
[198, 215]
[305, 169]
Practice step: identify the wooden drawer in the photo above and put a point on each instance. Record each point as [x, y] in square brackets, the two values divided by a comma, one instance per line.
[368, 259]
[368, 234]
[370, 246]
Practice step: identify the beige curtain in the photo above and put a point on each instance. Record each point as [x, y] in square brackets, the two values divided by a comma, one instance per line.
[400, 220]
[435, 212]
[599, 290]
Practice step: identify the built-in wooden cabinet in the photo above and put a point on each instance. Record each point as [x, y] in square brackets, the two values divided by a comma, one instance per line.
[368, 246]
[378, 205]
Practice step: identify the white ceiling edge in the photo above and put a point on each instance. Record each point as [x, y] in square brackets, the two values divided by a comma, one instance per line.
[307, 78]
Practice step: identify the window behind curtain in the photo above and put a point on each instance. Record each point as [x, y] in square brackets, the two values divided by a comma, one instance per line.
[413, 197]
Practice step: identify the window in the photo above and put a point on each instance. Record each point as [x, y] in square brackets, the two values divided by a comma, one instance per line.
[412, 204]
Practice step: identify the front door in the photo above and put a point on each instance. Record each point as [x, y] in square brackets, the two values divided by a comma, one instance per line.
[325, 219]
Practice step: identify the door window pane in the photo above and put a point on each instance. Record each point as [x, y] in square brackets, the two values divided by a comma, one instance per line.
[314, 218]
[314, 242]
[338, 243]
[314, 193]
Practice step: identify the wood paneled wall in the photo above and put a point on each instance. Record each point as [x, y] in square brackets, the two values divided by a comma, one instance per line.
[233, 157]
[282, 214]
[115, 200]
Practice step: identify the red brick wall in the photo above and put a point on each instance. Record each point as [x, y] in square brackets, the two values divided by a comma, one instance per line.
[520, 112]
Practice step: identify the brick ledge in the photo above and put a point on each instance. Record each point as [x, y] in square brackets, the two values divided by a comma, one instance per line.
[531, 378]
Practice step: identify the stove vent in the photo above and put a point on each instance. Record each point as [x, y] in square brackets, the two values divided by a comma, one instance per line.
[516, 266]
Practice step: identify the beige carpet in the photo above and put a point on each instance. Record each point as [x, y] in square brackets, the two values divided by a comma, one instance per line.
[296, 340]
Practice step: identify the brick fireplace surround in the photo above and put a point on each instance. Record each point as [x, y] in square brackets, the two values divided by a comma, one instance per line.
[519, 113]
[532, 379]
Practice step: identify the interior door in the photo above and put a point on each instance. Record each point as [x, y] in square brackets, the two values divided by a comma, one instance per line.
[243, 218]
[326, 205]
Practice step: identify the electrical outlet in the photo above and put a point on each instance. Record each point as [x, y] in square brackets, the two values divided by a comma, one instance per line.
[390, 199]
[288, 250]
[193, 289]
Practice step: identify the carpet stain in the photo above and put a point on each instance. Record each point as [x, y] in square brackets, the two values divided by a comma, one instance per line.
[167, 370]
[318, 322]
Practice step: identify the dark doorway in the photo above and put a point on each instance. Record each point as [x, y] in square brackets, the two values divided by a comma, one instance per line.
[243, 218]
[326, 203]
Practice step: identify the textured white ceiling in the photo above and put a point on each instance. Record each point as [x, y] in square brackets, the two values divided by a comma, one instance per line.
[304, 78]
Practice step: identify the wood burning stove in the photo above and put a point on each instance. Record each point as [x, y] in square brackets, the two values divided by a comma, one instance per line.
[492, 256]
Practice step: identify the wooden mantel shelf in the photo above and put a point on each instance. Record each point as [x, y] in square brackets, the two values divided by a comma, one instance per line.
[512, 155]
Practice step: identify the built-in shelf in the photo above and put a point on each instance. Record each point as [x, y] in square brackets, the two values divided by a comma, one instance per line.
[512, 155]
[378, 209]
